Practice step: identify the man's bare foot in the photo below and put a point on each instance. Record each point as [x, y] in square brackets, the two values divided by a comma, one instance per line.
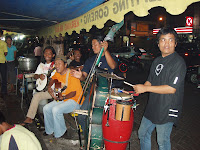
[27, 121]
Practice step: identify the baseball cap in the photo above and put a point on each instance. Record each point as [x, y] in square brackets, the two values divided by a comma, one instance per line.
[61, 57]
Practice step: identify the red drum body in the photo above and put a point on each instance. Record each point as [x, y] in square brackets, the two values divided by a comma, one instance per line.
[117, 134]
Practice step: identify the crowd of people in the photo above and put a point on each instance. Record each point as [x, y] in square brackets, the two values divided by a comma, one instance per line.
[165, 84]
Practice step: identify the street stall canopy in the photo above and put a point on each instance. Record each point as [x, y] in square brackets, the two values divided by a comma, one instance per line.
[61, 16]
[29, 15]
[115, 10]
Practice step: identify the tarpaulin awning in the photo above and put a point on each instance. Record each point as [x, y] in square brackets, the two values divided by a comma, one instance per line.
[115, 11]
[61, 16]
[31, 15]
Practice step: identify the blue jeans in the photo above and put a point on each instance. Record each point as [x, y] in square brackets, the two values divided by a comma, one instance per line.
[163, 134]
[53, 116]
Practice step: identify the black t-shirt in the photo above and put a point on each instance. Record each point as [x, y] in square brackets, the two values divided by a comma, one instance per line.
[170, 70]
[76, 64]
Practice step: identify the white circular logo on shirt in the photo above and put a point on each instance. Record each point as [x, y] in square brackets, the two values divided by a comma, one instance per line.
[159, 68]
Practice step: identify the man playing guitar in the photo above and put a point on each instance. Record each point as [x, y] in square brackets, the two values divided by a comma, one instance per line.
[67, 100]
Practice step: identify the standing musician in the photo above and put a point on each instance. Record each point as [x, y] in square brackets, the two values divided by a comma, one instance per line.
[67, 100]
[166, 86]
[43, 68]
[107, 61]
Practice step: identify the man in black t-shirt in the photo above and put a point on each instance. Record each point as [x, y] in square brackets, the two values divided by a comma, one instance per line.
[166, 86]
[77, 62]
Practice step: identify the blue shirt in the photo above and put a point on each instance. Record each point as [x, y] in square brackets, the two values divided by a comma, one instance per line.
[10, 55]
[102, 64]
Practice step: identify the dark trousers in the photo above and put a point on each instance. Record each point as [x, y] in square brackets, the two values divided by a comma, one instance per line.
[11, 72]
[38, 59]
[3, 72]
[82, 118]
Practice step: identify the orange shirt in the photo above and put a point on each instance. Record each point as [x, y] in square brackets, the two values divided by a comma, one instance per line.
[74, 84]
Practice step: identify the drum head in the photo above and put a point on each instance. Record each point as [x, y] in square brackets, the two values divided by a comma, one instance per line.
[120, 96]
[41, 84]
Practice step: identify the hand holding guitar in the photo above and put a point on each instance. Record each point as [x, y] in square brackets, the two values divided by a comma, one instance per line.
[58, 97]
[42, 76]
[39, 76]
[51, 92]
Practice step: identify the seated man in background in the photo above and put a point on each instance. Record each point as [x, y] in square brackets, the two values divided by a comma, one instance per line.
[16, 137]
[77, 62]
[67, 93]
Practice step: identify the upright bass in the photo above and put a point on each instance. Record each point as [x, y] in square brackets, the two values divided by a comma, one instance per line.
[94, 139]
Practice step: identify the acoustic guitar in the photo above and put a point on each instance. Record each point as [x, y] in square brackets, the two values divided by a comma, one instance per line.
[58, 90]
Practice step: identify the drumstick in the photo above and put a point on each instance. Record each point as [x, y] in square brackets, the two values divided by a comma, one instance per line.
[126, 92]
[128, 84]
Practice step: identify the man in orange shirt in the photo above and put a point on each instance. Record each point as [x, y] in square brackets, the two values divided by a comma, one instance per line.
[66, 102]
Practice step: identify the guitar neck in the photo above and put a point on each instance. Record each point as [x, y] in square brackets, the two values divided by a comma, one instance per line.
[49, 73]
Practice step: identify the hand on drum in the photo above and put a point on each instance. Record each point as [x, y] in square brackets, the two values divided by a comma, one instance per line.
[139, 88]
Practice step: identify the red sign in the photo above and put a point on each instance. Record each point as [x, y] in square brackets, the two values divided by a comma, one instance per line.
[183, 30]
[180, 30]
[189, 21]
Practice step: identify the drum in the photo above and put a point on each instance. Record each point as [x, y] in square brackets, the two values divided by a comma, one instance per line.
[102, 91]
[116, 136]
[123, 110]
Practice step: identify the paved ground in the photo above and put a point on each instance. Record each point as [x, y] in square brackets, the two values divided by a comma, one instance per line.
[184, 137]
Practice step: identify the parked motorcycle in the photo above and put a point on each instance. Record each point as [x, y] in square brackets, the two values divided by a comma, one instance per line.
[130, 64]
[192, 74]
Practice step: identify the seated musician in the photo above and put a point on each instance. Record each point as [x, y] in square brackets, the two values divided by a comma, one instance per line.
[77, 62]
[43, 68]
[107, 61]
[65, 102]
